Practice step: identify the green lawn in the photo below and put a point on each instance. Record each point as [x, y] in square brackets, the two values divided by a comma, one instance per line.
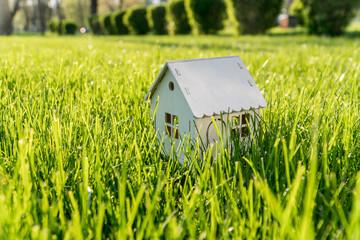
[73, 119]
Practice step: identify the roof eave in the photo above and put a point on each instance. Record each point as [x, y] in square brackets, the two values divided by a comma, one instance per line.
[157, 81]
[228, 112]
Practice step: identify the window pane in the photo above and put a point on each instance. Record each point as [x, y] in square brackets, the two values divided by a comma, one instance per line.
[245, 118]
[168, 118]
[236, 121]
[244, 131]
[175, 120]
[168, 130]
[176, 133]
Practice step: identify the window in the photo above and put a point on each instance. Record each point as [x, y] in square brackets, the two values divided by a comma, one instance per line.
[240, 124]
[172, 125]
[245, 121]
[235, 126]
[171, 86]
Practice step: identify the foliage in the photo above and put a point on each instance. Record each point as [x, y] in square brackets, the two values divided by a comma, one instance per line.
[206, 16]
[256, 17]
[297, 9]
[68, 27]
[329, 17]
[79, 157]
[136, 21]
[178, 22]
[157, 19]
[95, 25]
[117, 20]
[53, 25]
[107, 26]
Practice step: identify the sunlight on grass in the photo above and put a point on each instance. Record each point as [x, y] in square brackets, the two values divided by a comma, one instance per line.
[79, 157]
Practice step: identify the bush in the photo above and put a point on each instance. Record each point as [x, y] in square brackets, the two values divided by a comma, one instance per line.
[206, 16]
[297, 9]
[117, 21]
[256, 17]
[107, 26]
[54, 25]
[67, 27]
[95, 25]
[329, 17]
[178, 22]
[157, 19]
[135, 20]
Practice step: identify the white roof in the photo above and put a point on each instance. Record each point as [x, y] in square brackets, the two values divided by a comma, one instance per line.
[214, 85]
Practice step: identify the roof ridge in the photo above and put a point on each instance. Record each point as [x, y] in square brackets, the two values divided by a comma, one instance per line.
[200, 59]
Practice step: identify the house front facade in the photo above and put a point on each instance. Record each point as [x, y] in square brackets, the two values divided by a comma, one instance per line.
[205, 100]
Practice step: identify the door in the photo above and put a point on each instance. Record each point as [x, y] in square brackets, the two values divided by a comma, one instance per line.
[214, 130]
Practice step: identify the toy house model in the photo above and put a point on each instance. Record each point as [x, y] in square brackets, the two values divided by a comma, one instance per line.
[191, 96]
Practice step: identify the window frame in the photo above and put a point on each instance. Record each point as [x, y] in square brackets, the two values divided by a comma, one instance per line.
[172, 125]
[242, 124]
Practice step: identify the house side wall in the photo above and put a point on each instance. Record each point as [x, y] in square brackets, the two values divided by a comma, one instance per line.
[202, 125]
[172, 102]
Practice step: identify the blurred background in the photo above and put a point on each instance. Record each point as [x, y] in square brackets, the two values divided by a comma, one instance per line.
[119, 17]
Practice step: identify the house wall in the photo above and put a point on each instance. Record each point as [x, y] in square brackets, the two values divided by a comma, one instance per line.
[203, 123]
[172, 102]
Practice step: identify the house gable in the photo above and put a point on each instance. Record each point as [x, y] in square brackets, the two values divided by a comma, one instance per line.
[171, 102]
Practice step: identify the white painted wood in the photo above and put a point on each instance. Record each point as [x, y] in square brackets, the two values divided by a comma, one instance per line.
[174, 103]
[209, 136]
[214, 85]
[204, 88]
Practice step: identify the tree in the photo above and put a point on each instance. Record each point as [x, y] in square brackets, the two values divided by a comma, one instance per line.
[178, 21]
[329, 17]
[93, 7]
[7, 14]
[43, 8]
[256, 17]
[206, 16]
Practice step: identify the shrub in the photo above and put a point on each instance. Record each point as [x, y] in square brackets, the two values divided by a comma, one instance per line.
[329, 17]
[107, 26]
[67, 27]
[297, 9]
[157, 19]
[117, 21]
[178, 22]
[256, 17]
[95, 25]
[135, 20]
[54, 25]
[206, 16]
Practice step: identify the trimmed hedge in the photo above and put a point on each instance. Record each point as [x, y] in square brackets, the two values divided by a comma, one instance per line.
[156, 16]
[67, 27]
[107, 26]
[256, 17]
[135, 20]
[329, 17]
[95, 25]
[206, 16]
[178, 22]
[54, 25]
[117, 21]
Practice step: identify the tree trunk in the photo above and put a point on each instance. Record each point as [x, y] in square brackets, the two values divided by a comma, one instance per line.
[6, 16]
[42, 10]
[5, 28]
[93, 7]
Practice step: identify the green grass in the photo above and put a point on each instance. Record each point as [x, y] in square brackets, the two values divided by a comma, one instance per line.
[72, 117]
